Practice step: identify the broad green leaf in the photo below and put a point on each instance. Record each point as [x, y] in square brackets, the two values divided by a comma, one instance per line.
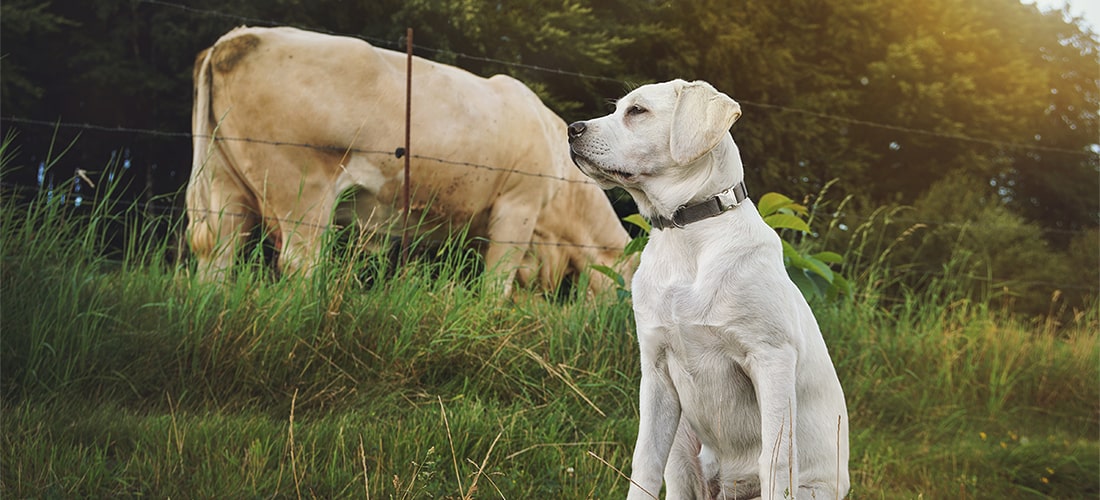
[794, 209]
[821, 268]
[636, 245]
[787, 221]
[610, 273]
[770, 203]
[840, 287]
[829, 257]
[823, 288]
[792, 254]
[639, 221]
[804, 283]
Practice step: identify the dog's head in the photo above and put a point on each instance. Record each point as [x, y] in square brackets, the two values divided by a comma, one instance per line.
[656, 144]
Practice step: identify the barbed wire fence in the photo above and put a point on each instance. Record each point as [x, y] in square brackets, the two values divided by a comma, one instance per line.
[162, 209]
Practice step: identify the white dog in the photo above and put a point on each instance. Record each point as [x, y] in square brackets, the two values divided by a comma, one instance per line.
[739, 398]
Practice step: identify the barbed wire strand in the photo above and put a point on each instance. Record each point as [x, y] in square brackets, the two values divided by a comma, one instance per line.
[162, 209]
[298, 145]
[834, 218]
[89, 201]
[931, 133]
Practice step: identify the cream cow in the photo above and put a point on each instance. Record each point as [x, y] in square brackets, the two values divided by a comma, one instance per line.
[291, 127]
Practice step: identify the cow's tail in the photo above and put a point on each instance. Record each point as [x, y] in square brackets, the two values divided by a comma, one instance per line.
[204, 161]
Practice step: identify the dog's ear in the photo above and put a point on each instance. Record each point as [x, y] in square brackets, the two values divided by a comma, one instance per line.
[702, 117]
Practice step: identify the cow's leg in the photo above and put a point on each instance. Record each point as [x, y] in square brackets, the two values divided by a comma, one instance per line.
[373, 219]
[303, 230]
[217, 232]
[511, 225]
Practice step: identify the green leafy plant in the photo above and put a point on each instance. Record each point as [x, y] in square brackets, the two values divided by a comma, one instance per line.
[811, 272]
[635, 246]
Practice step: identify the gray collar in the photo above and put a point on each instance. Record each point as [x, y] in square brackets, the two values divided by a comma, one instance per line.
[705, 209]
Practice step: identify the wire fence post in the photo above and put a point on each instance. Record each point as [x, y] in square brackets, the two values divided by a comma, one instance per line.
[408, 129]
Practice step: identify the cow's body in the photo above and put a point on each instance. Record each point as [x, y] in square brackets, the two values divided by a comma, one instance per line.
[306, 122]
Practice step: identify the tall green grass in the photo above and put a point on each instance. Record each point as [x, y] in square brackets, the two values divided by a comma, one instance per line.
[122, 377]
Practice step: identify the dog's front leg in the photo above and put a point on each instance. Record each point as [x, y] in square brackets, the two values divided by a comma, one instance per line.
[659, 415]
[773, 375]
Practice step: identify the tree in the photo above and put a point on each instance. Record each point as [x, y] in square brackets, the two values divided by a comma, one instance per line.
[546, 45]
[889, 97]
[24, 21]
[1001, 73]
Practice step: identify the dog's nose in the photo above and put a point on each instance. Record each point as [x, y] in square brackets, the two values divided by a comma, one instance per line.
[576, 129]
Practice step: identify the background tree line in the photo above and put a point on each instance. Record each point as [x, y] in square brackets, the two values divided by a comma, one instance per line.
[979, 117]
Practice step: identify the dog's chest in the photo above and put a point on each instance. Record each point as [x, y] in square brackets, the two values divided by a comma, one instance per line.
[686, 306]
[675, 279]
[703, 297]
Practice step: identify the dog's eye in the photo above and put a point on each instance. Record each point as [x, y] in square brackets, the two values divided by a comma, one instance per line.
[635, 110]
